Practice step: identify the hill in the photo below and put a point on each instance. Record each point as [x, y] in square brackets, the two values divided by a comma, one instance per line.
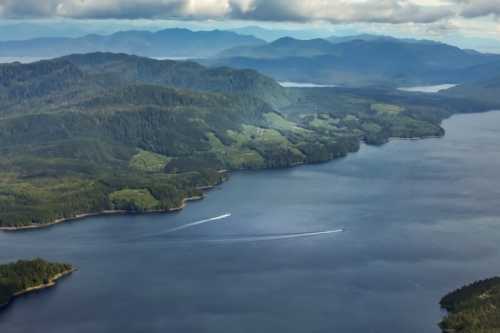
[87, 74]
[107, 133]
[163, 43]
[282, 48]
[362, 62]
[64, 133]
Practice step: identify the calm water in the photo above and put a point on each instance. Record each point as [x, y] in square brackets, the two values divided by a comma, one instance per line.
[420, 218]
[429, 89]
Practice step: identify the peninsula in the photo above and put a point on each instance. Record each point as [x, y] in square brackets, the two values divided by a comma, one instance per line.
[23, 277]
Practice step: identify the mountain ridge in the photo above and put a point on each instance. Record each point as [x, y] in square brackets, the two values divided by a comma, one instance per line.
[163, 43]
[358, 62]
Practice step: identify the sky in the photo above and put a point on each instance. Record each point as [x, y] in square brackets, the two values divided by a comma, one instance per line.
[467, 23]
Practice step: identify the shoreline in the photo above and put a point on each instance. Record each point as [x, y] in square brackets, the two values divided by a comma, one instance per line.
[391, 139]
[51, 283]
[182, 206]
[84, 216]
[207, 188]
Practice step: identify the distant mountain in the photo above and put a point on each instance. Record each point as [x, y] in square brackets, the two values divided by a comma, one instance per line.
[282, 48]
[270, 35]
[163, 43]
[373, 37]
[358, 62]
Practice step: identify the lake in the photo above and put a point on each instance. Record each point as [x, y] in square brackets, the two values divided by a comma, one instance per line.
[24, 60]
[288, 84]
[429, 89]
[420, 218]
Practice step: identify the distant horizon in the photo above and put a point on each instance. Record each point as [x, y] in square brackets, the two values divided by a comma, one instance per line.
[15, 30]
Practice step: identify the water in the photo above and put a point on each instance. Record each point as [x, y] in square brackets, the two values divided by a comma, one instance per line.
[429, 89]
[288, 84]
[419, 219]
[24, 60]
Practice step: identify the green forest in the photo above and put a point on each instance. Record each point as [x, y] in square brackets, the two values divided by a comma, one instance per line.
[99, 132]
[23, 274]
[474, 308]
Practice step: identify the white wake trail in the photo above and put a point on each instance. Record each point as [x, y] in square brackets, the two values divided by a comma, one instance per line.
[194, 224]
[274, 237]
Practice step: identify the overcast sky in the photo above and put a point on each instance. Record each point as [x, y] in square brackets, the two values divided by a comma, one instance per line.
[439, 19]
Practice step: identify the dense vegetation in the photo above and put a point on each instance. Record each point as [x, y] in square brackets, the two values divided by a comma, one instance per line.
[99, 132]
[22, 275]
[376, 115]
[474, 308]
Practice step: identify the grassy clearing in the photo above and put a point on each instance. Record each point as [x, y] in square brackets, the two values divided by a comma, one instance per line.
[280, 123]
[148, 161]
[134, 200]
[387, 108]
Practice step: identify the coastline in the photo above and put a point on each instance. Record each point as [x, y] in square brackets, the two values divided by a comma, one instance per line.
[182, 206]
[83, 216]
[204, 188]
[51, 283]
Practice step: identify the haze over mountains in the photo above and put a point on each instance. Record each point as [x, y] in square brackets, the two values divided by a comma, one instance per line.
[359, 60]
[163, 43]
[362, 60]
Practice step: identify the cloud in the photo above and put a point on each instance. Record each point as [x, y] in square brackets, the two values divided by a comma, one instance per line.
[334, 11]
[342, 11]
[478, 8]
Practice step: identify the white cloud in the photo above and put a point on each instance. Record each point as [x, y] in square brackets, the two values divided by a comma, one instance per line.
[334, 11]
[477, 8]
[394, 11]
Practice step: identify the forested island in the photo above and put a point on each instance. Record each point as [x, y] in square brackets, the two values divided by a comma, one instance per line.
[71, 146]
[24, 276]
[474, 308]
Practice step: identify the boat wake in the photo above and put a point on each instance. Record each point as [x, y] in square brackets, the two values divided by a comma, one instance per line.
[194, 224]
[239, 239]
[264, 238]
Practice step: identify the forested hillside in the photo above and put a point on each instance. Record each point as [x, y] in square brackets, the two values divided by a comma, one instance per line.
[110, 132]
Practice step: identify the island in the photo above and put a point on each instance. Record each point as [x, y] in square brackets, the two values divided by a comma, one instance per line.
[474, 308]
[25, 276]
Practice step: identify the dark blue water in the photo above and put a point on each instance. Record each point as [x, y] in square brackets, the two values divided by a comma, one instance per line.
[420, 218]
